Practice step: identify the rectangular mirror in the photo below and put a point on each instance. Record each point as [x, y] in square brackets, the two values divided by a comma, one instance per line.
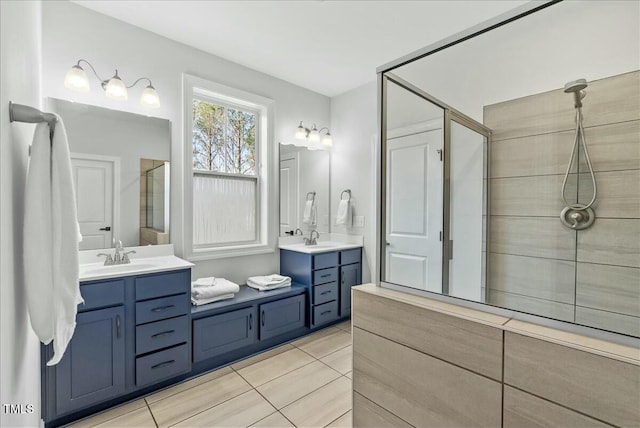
[121, 170]
[304, 190]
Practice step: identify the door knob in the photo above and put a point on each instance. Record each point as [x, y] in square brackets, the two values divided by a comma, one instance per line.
[108, 228]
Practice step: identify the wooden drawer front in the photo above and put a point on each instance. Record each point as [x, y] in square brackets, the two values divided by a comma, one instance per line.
[159, 309]
[165, 284]
[162, 365]
[325, 275]
[326, 260]
[161, 334]
[215, 335]
[101, 295]
[350, 256]
[325, 313]
[282, 316]
[325, 293]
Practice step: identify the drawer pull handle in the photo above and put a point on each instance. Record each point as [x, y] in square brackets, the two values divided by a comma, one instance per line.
[325, 292]
[161, 365]
[118, 326]
[326, 275]
[164, 333]
[250, 321]
[162, 308]
[325, 312]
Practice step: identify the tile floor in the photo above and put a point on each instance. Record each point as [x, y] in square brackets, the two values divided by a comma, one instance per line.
[305, 383]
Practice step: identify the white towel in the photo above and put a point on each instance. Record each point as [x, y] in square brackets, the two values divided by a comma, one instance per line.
[204, 282]
[53, 293]
[267, 280]
[268, 287]
[308, 212]
[220, 287]
[198, 302]
[343, 216]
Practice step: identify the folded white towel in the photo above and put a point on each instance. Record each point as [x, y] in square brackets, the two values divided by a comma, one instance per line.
[268, 287]
[198, 302]
[343, 216]
[220, 287]
[308, 212]
[273, 279]
[204, 282]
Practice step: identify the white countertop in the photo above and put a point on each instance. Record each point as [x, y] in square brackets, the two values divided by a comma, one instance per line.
[147, 259]
[326, 242]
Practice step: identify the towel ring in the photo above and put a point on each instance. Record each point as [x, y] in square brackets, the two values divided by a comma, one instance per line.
[313, 196]
[348, 192]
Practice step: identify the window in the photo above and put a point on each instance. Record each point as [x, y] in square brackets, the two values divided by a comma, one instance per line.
[229, 175]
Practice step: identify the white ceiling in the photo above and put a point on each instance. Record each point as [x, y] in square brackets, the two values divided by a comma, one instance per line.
[326, 46]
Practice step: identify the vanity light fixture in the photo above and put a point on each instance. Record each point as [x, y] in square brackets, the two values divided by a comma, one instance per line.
[76, 79]
[313, 137]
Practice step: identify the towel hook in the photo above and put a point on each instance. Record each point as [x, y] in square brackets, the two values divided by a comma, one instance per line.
[348, 192]
[313, 196]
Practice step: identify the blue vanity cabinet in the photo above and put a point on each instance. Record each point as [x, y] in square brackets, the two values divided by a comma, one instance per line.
[131, 333]
[218, 334]
[92, 369]
[328, 277]
[282, 316]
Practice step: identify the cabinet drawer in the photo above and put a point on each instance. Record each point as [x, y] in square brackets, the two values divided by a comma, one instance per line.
[282, 316]
[218, 334]
[166, 284]
[162, 365]
[158, 309]
[325, 313]
[326, 260]
[161, 334]
[325, 293]
[350, 256]
[325, 275]
[101, 295]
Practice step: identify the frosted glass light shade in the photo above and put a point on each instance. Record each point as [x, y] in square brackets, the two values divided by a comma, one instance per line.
[327, 141]
[116, 89]
[314, 135]
[150, 97]
[76, 79]
[301, 133]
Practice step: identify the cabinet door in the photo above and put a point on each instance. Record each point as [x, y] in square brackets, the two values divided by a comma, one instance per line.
[218, 334]
[93, 367]
[349, 276]
[282, 316]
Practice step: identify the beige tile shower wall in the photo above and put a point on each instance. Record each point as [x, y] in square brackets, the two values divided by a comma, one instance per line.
[536, 264]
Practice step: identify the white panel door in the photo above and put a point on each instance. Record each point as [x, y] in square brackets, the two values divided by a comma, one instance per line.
[414, 210]
[288, 195]
[94, 183]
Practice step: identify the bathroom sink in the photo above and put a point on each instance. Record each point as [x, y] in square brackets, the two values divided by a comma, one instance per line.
[132, 267]
[320, 247]
[140, 265]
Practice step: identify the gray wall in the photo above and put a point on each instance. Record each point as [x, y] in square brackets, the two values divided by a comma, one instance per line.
[536, 264]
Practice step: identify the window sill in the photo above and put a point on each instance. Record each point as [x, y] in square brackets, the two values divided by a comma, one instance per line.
[227, 252]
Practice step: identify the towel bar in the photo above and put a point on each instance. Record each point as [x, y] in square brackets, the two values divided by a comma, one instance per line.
[22, 113]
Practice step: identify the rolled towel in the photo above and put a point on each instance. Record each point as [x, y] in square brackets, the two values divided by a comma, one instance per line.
[198, 302]
[220, 287]
[273, 279]
[342, 216]
[204, 282]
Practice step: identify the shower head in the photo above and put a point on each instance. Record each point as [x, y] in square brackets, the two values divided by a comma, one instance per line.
[577, 87]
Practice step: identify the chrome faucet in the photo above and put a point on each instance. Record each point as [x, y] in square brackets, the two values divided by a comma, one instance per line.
[298, 230]
[311, 240]
[120, 257]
